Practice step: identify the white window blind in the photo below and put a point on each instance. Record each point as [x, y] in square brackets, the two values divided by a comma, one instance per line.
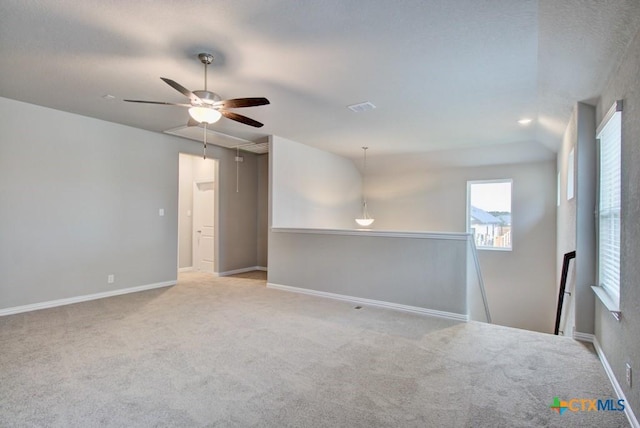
[610, 135]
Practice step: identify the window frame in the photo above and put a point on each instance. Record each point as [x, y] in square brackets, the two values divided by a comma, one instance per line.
[470, 183]
[608, 292]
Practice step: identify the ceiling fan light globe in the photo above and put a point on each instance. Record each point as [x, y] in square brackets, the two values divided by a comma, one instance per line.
[204, 114]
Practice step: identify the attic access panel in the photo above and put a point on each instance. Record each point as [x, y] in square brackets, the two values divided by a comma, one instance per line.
[220, 139]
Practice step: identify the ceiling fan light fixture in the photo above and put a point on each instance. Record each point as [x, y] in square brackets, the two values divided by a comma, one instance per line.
[205, 114]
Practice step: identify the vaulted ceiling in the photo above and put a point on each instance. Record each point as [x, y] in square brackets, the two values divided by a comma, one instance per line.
[443, 74]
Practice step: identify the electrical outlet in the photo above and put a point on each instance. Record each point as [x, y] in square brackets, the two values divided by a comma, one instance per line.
[111, 279]
[629, 375]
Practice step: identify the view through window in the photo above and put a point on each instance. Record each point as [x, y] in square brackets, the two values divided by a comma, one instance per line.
[489, 213]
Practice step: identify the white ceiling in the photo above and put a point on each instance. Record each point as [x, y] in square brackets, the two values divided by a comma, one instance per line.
[443, 74]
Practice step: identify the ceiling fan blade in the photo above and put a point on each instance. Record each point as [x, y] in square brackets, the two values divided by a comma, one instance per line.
[158, 102]
[184, 91]
[193, 122]
[242, 102]
[240, 118]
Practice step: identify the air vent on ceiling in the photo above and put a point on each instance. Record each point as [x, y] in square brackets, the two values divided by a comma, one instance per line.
[359, 108]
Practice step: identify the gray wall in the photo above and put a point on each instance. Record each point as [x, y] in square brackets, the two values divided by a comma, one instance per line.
[520, 284]
[312, 188]
[585, 273]
[429, 273]
[566, 222]
[237, 211]
[185, 203]
[619, 340]
[80, 197]
[263, 210]
[576, 224]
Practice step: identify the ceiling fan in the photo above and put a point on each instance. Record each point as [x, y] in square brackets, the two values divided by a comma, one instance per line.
[207, 107]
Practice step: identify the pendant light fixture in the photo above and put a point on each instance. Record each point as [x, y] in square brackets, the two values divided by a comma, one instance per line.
[365, 220]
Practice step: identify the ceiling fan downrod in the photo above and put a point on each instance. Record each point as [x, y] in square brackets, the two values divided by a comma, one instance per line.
[206, 59]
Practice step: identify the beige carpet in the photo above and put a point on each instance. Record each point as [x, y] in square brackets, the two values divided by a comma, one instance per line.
[229, 352]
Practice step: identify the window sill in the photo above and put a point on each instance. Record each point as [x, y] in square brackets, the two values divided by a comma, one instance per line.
[607, 301]
[493, 248]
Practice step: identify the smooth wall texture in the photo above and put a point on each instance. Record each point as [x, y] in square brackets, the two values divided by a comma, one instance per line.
[619, 339]
[263, 210]
[79, 200]
[185, 204]
[585, 170]
[428, 273]
[576, 225]
[311, 188]
[566, 222]
[520, 284]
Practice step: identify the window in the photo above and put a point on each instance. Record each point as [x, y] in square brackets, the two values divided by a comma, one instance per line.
[489, 213]
[609, 135]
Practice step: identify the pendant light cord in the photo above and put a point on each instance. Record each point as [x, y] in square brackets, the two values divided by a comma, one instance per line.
[364, 185]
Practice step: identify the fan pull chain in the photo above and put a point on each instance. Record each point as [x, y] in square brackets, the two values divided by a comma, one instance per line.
[237, 169]
[204, 150]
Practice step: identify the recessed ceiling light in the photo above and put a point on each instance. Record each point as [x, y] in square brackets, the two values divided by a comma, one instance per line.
[108, 97]
[524, 121]
[360, 107]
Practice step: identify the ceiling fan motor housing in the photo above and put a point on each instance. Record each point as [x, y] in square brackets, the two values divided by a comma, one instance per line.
[205, 58]
[207, 96]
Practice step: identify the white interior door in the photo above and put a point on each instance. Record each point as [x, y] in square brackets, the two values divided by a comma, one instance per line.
[203, 230]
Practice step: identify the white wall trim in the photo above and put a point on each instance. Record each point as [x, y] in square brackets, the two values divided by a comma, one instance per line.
[585, 337]
[262, 268]
[186, 269]
[243, 270]
[384, 233]
[85, 298]
[370, 302]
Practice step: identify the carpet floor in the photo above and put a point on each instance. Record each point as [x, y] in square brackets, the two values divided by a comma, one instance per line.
[229, 352]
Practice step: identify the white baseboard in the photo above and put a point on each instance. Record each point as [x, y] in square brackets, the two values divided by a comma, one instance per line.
[262, 268]
[584, 337]
[78, 299]
[616, 386]
[186, 269]
[370, 302]
[243, 270]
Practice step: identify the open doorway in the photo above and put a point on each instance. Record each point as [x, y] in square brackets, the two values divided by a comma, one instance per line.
[197, 214]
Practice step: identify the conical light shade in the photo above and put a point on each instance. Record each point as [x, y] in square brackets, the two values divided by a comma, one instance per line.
[205, 114]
